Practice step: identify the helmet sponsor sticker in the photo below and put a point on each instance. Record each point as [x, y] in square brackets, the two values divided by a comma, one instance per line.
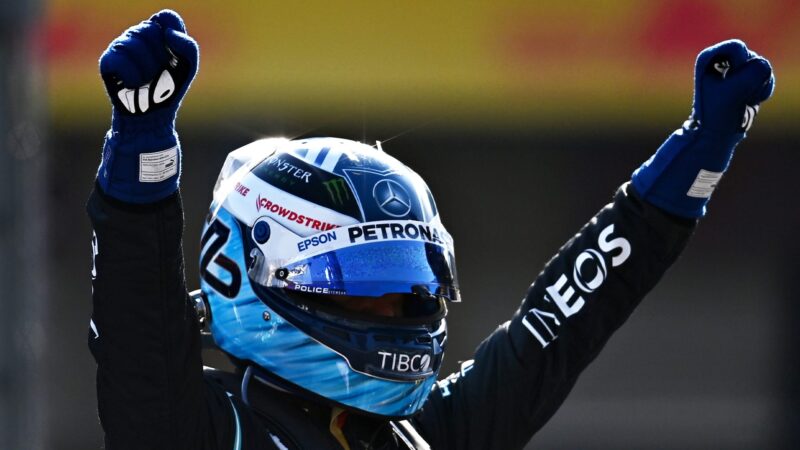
[299, 178]
[401, 230]
[285, 168]
[314, 241]
[392, 198]
[338, 190]
[316, 289]
[253, 199]
[263, 204]
[397, 230]
[242, 189]
[395, 194]
[404, 362]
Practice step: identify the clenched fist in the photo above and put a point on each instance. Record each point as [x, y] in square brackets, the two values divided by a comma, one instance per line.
[147, 71]
[730, 82]
[150, 66]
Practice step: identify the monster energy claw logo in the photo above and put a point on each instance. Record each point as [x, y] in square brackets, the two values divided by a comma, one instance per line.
[337, 190]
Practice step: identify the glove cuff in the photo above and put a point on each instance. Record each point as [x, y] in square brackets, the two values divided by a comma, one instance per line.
[140, 166]
[681, 176]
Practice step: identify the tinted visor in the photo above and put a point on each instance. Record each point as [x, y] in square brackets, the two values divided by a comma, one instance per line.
[412, 264]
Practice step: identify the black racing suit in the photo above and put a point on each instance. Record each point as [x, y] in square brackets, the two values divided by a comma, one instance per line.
[153, 392]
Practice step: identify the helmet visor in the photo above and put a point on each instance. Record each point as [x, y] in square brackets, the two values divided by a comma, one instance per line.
[367, 259]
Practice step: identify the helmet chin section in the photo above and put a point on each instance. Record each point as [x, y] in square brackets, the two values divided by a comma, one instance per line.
[407, 351]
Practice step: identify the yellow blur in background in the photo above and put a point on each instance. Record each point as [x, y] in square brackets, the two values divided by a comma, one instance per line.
[473, 63]
[535, 111]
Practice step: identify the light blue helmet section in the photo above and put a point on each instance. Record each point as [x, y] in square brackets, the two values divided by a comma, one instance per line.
[328, 217]
[238, 327]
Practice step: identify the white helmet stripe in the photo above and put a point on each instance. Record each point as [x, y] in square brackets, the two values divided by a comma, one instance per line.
[257, 198]
[331, 159]
[304, 247]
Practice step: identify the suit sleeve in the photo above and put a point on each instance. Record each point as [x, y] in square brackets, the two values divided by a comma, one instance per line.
[144, 335]
[524, 370]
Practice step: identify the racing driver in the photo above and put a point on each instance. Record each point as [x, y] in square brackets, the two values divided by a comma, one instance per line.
[326, 272]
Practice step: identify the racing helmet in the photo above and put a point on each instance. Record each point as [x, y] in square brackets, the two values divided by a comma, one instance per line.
[300, 231]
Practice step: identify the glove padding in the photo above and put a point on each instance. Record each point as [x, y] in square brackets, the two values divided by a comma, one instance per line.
[146, 71]
[729, 84]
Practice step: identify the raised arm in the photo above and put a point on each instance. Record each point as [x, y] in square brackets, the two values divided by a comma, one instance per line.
[143, 335]
[523, 371]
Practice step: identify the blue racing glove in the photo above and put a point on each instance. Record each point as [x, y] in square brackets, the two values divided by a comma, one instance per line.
[147, 71]
[729, 83]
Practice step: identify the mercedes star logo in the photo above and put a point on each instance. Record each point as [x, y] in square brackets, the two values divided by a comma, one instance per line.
[392, 198]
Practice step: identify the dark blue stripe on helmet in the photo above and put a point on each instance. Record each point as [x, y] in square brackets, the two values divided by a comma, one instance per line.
[322, 154]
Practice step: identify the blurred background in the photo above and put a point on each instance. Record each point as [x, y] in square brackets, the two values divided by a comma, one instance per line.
[524, 116]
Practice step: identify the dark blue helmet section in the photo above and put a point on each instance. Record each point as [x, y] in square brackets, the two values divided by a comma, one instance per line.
[301, 179]
[387, 195]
